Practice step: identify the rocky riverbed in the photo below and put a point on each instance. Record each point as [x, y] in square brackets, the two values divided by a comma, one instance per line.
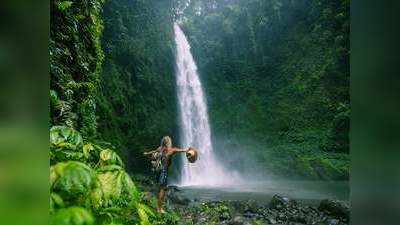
[280, 210]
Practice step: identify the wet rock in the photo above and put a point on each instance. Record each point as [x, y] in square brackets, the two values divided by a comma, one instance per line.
[252, 207]
[246, 206]
[333, 222]
[239, 220]
[334, 208]
[176, 197]
[202, 218]
[251, 215]
[278, 202]
[281, 217]
[298, 219]
[271, 220]
[173, 188]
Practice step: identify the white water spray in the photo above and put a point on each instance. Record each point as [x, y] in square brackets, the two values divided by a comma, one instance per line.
[194, 127]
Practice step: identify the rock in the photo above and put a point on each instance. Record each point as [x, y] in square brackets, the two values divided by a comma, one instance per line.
[202, 219]
[334, 208]
[278, 202]
[271, 220]
[298, 219]
[252, 207]
[246, 206]
[173, 188]
[239, 220]
[333, 222]
[251, 215]
[176, 197]
[281, 217]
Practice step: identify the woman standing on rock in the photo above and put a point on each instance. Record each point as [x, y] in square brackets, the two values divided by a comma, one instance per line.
[161, 160]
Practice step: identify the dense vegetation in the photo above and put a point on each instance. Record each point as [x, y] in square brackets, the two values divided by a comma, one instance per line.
[137, 103]
[276, 75]
[88, 181]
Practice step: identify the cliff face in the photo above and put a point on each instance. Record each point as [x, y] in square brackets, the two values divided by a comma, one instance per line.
[137, 102]
[75, 63]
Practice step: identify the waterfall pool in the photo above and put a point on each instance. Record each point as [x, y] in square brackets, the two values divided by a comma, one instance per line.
[308, 192]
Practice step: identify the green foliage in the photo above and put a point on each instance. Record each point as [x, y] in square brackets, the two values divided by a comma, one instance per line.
[281, 65]
[67, 144]
[216, 211]
[86, 171]
[72, 180]
[109, 190]
[75, 63]
[144, 212]
[55, 202]
[64, 5]
[169, 218]
[65, 137]
[116, 187]
[137, 102]
[109, 157]
[72, 216]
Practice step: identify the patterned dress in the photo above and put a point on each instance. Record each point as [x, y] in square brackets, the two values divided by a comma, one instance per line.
[163, 177]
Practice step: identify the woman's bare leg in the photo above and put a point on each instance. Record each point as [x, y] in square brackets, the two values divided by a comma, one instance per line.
[161, 197]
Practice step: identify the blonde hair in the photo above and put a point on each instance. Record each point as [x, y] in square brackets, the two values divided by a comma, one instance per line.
[166, 142]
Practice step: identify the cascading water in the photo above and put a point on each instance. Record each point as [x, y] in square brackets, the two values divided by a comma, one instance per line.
[195, 129]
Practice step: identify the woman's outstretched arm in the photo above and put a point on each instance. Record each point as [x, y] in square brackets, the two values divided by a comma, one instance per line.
[178, 150]
[151, 152]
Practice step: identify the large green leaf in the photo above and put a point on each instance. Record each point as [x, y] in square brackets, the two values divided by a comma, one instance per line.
[116, 188]
[55, 201]
[144, 212]
[72, 180]
[66, 145]
[72, 216]
[109, 157]
[65, 137]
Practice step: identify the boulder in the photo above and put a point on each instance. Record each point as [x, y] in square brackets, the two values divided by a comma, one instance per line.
[176, 196]
[239, 220]
[278, 202]
[271, 220]
[298, 218]
[249, 206]
[334, 208]
[333, 222]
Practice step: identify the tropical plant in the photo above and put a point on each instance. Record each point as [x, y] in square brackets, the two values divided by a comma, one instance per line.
[109, 157]
[66, 144]
[116, 188]
[72, 216]
[72, 181]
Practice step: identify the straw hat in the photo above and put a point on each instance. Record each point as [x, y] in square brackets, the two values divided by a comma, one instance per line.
[191, 155]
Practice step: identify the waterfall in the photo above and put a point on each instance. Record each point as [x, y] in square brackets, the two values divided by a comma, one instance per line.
[194, 125]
